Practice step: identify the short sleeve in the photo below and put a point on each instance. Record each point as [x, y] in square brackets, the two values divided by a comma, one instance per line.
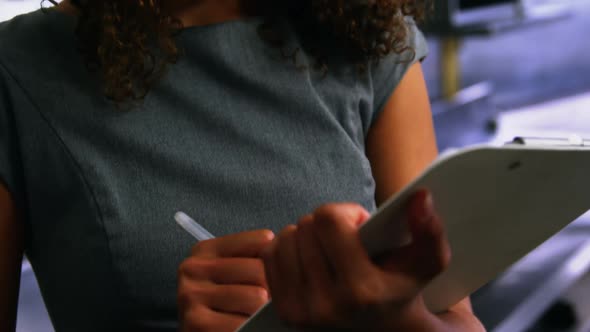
[10, 170]
[388, 72]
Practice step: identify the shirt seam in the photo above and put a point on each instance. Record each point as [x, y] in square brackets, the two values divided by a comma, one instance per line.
[77, 165]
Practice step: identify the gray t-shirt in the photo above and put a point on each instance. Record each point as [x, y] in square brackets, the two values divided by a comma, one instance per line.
[234, 134]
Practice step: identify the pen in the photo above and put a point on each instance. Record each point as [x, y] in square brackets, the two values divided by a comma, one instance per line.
[192, 227]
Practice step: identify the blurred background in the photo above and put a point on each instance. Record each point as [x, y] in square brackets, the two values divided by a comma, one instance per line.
[497, 69]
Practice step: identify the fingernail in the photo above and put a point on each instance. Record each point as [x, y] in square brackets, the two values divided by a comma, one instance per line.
[269, 235]
[427, 208]
[363, 218]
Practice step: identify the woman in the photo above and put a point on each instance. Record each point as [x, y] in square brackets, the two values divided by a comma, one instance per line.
[245, 114]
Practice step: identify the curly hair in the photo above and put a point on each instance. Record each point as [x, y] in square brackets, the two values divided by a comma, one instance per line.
[130, 43]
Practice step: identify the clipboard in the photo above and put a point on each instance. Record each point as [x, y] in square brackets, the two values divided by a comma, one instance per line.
[497, 203]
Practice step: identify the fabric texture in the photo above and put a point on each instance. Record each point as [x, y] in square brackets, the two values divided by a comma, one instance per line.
[234, 135]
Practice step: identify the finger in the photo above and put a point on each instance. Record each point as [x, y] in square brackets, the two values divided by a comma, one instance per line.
[236, 299]
[271, 271]
[316, 272]
[247, 244]
[202, 318]
[286, 281]
[359, 283]
[318, 276]
[336, 227]
[287, 260]
[283, 285]
[413, 266]
[244, 271]
[430, 246]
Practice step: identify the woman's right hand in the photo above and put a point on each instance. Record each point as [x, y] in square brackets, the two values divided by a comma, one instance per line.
[223, 282]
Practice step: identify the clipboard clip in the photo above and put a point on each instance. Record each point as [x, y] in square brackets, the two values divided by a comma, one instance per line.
[572, 141]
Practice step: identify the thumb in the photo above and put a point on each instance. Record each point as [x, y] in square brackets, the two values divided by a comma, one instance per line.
[430, 247]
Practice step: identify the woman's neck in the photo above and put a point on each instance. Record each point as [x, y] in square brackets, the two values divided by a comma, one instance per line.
[189, 12]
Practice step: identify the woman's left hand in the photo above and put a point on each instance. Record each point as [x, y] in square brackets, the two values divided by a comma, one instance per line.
[321, 276]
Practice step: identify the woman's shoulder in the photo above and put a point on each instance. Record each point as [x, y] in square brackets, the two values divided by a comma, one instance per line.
[34, 49]
[30, 38]
[388, 72]
[21, 31]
